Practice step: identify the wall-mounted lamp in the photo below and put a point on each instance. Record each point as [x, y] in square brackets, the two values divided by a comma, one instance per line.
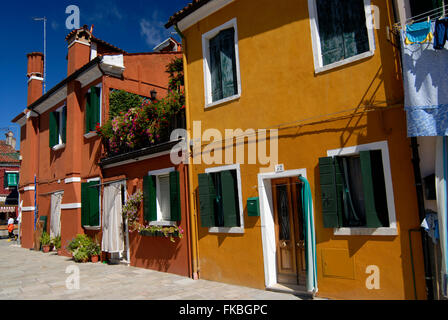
[153, 94]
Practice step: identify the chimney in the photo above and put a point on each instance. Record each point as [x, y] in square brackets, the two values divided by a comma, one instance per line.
[35, 76]
[79, 42]
[10, 140]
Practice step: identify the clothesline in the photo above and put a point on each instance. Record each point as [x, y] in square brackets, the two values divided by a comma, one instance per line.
[432, 15]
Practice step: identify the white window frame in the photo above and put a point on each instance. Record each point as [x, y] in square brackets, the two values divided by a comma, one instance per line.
[92, 134]
[157, 174]
[60, 145]
[96, 228]
[239, 229]
[206, 63]
[315, 37]
[381, 231]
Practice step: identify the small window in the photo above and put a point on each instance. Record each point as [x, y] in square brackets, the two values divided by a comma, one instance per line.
[219, 199]
[58, 127]
[90, 204]
[93, 108]
[11, 179]
[342, 31]
[353, 191]
[161, 197]
[221, 66]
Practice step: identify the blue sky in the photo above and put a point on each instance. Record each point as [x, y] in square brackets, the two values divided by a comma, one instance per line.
[132, 25]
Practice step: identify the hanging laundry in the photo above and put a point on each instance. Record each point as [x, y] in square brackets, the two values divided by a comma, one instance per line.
[425, 82]
[419, 33]
[440, 33]
[431, 225]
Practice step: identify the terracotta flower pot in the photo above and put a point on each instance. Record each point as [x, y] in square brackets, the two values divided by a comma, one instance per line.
[59, 252]
[46, 249]
[94, 259]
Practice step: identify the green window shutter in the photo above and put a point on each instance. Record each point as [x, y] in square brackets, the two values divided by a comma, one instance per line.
[372, 219]
[215, 68]
[330, 186]
[175, 196]
[95, 96]
[94, 203]
[207, 195]
[88, 111]
[149, 198]
[230, 199]
[228, 63]
[12, 179]
[64, 125]
[85, 205]
[54, 130]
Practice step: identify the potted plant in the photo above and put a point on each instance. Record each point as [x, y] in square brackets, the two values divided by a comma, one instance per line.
[94, 252]
[79, 247]
[45, 242]
[57, 244]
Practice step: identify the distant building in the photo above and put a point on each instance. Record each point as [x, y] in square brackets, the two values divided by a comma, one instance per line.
[9, 174]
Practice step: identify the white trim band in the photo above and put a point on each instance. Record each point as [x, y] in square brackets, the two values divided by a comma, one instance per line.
[72, 179]
[27, 209]
[68, 206]
[29, 188]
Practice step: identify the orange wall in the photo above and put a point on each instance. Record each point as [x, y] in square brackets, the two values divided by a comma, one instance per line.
[279, 86]
[154, 252]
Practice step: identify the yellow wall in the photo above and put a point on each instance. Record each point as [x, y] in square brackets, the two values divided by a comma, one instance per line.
[278, 86]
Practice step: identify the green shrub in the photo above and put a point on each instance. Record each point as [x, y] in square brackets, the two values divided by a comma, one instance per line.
[56, 241]
[81, 241]
[45, 239]
[81, 254]
[94, 249]
[122, 101]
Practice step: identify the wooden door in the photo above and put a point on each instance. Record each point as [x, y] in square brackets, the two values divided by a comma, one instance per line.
[288, 217]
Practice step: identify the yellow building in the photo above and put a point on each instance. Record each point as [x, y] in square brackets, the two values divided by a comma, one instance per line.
[318, 83]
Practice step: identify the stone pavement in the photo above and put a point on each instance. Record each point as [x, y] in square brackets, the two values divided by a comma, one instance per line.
[27, 274]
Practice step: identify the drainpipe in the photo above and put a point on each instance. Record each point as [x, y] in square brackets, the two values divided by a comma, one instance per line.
[193, 216]
[421, 211]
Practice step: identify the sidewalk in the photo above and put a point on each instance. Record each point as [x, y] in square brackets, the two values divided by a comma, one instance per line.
[27, 274]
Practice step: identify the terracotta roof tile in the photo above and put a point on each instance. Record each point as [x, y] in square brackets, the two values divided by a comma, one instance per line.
[8, 153]
[188, 9]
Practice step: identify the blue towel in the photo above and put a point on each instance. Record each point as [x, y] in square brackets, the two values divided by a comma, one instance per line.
[419, 32]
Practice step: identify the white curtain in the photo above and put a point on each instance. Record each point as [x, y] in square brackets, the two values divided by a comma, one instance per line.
[55, 218]
[441, 191]
[112, 219]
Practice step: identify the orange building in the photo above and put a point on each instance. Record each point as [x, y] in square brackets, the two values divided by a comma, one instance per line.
[301, 171]
[68, 177]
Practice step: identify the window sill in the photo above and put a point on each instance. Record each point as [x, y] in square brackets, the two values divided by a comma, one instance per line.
[365, 232]
[237, 230]
[228, 99]
[92, 228]
[58, 147]
[344, 62]
[163, 223]
[90, 135]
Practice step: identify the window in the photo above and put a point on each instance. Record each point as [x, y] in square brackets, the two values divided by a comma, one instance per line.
[356, 188]
[342, 32]
[58, 127]
[221, 64]
[90, 203]
[93, 108]
[161, 197]
[220, 200]
[11, 179]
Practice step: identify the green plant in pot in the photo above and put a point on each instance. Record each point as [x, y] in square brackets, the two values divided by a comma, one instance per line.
[81, 254]
[45, 242]
[79, 247]
[56, 241]
[94, 252]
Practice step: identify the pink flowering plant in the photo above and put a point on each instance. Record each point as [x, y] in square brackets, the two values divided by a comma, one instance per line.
[145, 122]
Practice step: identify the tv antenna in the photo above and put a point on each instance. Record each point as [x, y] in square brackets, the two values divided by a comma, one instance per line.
[44, 19]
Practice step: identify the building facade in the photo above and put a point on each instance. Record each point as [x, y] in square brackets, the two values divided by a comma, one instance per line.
[68, 177]
[301, 175]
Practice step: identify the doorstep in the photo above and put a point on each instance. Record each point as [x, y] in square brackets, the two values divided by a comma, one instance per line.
[296, 290]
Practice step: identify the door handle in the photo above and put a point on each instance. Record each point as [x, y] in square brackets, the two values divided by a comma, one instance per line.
[283, 244]
[301, 244]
